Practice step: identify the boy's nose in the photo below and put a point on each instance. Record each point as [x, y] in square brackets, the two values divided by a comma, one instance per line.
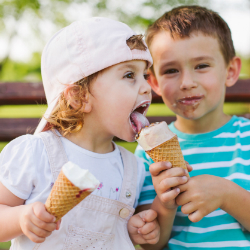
[187, 82]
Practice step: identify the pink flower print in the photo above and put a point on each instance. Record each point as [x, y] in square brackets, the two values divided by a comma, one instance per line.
[117, 189]
[100, 186]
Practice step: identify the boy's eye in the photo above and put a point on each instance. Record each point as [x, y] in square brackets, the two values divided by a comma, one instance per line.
[171, 71]
[130, 75]
[146, 76]
[202, 66]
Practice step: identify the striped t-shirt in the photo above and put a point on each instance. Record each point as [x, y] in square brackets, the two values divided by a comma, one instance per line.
[225, 153]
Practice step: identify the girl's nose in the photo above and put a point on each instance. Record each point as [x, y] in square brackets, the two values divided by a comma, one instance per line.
[145, 88]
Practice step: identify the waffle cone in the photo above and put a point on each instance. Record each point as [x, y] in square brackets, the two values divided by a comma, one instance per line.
[168, 151]
[63, 197]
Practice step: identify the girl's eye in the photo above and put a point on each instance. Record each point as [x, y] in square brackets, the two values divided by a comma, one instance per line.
[202, 66]
[130, 75]
[146, 76]
[171, 71]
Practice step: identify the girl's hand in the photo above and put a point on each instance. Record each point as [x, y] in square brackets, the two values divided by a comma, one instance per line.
[166, 181]
[36, 223]
[144, 228]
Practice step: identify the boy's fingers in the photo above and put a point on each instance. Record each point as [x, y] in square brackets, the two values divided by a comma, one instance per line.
[42, 214]
[172, 182]
[189, 167]
[156, 168]
[150, 215]
[169, 195]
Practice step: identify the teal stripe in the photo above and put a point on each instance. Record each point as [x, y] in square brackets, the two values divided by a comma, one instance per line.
[223, 235]
[206, 221]
[147, 195]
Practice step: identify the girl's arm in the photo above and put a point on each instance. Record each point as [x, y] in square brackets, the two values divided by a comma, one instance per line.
[165, 219]
[10, 210]
[17, 219]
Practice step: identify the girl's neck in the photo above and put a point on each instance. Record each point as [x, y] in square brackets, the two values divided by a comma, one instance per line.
[202, 125]
[92, 138]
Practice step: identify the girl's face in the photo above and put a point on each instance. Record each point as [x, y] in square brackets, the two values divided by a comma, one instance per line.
[121, 97]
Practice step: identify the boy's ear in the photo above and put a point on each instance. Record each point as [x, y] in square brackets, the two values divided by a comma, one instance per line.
[233, 71]
[70, 95]
[152, 81]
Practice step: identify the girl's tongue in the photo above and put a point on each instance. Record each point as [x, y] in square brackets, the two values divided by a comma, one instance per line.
[138, 121]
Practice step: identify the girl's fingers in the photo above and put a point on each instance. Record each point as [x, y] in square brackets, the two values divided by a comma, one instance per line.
[150, 215]
[35, 238]
[58, 224]
[40, 232]
[43, 225]
[42, 214]
[149, 227]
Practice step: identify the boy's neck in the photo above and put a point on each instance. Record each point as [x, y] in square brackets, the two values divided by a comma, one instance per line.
[202, 125]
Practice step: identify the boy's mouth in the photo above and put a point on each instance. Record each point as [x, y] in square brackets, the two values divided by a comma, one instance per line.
[190, 100]
[137, 117]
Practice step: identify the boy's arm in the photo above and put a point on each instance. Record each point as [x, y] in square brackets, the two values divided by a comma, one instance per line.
[165, 180]
[205, 193]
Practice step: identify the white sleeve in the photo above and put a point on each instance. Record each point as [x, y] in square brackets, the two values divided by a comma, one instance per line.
[17, 167]
[141, 173]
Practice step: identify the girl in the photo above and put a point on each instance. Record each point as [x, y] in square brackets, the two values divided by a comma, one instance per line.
[94, 76]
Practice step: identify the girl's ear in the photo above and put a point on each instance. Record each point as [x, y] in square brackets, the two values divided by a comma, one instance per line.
[152, 81]
[233, 71]
[71, 94]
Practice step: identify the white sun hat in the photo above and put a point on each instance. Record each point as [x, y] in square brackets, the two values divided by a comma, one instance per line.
[81, 49]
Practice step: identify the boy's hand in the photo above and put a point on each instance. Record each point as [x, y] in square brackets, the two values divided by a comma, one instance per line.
[166, 181]
[202, 195]
[36, 223]
[143, 228]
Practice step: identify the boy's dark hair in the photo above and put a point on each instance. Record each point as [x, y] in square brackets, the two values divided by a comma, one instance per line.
[184, 20]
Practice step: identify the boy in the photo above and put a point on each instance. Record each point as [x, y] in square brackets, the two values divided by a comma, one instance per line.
[194, 62]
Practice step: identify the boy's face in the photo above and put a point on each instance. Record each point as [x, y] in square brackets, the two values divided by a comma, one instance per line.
[191, 74]
[117, 92]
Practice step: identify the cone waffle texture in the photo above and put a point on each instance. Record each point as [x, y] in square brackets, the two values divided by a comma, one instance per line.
[63, 197]
[168, 151]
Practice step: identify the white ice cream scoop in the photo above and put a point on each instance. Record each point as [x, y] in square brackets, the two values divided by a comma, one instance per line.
[154, 135]
[81, 178]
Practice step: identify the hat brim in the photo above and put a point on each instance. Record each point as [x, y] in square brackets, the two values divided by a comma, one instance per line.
[47, 114]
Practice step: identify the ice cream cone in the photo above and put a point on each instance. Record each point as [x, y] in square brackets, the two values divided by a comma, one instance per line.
[64, 196]
[161, 144]
[168, 151]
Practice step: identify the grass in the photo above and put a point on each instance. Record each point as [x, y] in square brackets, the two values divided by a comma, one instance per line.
[4, 245]
[158, 109]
